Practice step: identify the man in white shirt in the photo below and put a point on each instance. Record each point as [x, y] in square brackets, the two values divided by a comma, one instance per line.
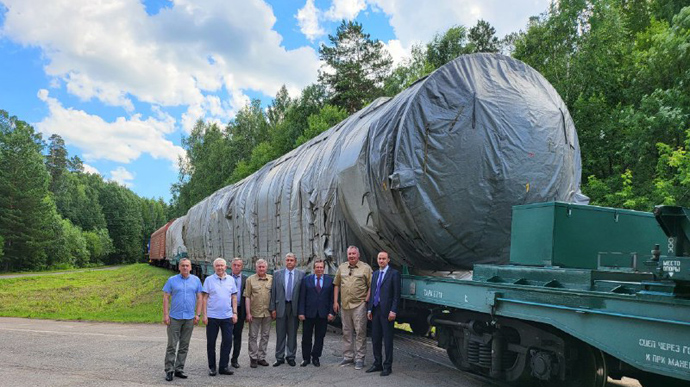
[220, 313]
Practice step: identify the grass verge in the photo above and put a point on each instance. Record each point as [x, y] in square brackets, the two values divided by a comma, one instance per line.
[127, 294]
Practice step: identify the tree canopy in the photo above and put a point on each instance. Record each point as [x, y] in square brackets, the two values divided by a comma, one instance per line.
[53, 215]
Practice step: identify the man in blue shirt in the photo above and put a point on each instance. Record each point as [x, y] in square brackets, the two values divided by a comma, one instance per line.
[180, 317]
[220, 313]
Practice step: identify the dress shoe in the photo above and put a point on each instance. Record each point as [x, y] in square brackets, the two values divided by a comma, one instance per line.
[253, 363]
[304, 363]
[386, 372]
[262, 362]
[169, 376]
[278, 362]
[316, 362]
[212, 372]
[180, 374]
[375, 368]
[235, 364]
[225, 371]
[291, 362]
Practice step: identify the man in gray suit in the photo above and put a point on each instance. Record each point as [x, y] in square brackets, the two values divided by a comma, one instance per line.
[283, 307]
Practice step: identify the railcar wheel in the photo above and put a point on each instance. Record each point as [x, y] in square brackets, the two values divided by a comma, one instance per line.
[588, 370]
[455, 355]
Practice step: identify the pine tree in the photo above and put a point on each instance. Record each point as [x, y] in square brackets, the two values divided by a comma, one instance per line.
[26, 209]
[483, 38]
[358, 67]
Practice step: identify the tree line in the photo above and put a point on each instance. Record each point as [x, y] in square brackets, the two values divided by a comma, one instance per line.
[54, 215]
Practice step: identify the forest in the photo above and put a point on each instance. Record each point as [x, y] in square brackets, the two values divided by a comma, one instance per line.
[621, 66]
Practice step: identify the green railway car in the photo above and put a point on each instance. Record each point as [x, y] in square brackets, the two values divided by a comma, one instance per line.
[589, 293]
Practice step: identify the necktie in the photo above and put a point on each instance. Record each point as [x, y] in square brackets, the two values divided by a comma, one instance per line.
[288, 296]
[378, 290]
[318, 284]
[238, 283]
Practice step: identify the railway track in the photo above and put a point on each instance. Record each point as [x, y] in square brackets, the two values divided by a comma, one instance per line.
[425, 348]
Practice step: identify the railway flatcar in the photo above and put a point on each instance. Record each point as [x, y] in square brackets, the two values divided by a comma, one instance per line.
[589, 293]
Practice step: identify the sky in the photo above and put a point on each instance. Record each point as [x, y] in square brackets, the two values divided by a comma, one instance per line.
[122, 81]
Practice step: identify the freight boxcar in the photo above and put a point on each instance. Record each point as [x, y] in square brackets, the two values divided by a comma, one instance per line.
[157, 245]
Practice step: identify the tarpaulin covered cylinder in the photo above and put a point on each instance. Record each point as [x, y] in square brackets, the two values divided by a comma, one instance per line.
[174, 244]
[429, 175]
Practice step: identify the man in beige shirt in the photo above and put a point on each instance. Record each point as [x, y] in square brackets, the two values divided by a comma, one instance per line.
[352, 282]
[257, 293]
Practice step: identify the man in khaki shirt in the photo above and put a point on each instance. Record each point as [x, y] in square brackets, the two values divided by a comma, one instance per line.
[352, 282]
[257, 293]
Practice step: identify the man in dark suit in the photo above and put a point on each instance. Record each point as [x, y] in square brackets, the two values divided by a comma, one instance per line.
[283, 308]
[381, 310]
[315, 310]
[240, 282]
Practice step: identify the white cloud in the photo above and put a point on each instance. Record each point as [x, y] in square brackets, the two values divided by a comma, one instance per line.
[91, 169]
[414, 23]
[123, 140]
[213, 109]
[308, 17]
[397, 51]
[116, 53]
[122, 176]
[345, 9]
[308, 21]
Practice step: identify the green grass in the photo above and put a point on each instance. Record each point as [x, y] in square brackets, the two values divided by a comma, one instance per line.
[56, 270]
[127, 294]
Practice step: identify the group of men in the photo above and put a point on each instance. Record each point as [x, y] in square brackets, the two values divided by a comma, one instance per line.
[225, 302]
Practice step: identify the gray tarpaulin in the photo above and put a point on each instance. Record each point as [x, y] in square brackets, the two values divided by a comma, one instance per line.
[174, 245]
[429, 175]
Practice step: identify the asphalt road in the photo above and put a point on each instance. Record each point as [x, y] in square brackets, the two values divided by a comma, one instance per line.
[60, 353]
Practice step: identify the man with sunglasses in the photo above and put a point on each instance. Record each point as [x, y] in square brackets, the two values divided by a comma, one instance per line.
[352, 282]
